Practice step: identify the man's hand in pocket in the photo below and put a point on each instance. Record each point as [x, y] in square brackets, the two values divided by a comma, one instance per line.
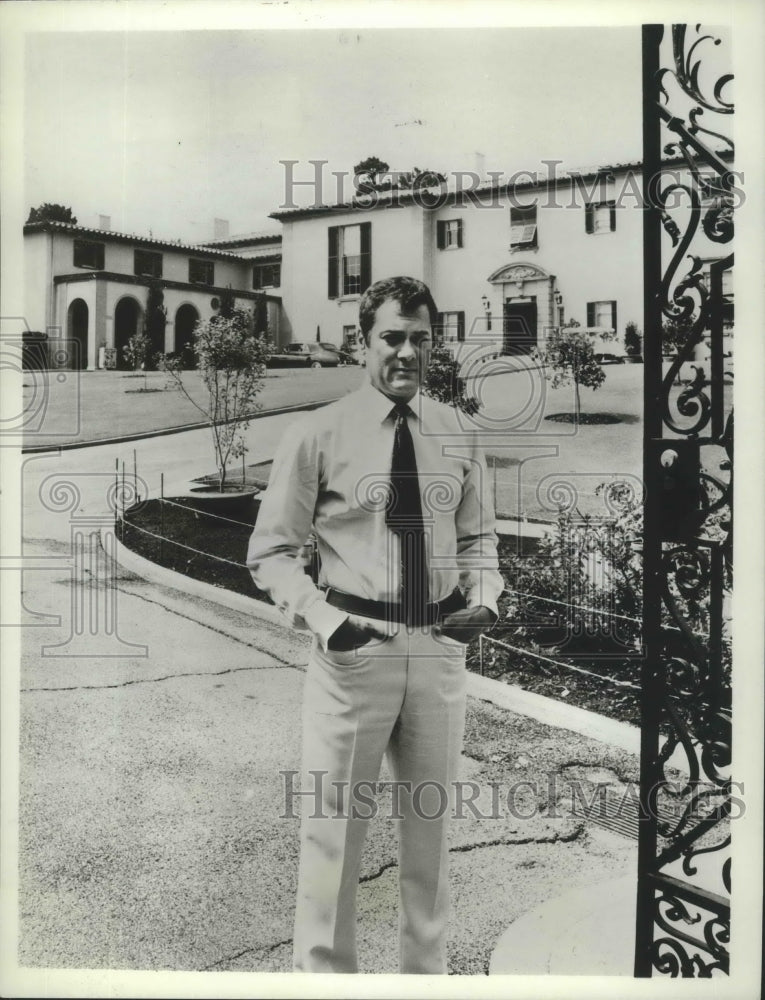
[466, 624]
[354, 632]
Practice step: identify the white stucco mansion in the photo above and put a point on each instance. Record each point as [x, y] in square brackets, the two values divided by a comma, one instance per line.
[505, 264]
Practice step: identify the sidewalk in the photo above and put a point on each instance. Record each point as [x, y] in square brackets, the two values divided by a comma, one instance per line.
[151, 834]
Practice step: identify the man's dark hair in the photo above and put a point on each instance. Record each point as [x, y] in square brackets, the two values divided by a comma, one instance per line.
[408, 292]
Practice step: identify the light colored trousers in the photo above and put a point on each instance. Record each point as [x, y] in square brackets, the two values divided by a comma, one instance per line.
[404, 695]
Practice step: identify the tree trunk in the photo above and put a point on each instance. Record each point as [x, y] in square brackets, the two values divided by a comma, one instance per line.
[576, 402]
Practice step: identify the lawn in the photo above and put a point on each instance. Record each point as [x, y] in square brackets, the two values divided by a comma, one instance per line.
[69, 408]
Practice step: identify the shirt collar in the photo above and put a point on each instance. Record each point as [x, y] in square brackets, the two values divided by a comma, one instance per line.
[380, 406]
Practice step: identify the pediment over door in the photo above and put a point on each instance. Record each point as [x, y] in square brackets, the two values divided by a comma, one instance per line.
[518, 272]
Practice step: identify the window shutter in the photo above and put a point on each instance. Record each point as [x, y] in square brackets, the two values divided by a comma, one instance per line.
[613, 310]
[440, 234]
[590, 314]
[588, 219]
[613, 217]
[459, 232]
[460, 326]
[366, 256]
[333, 235]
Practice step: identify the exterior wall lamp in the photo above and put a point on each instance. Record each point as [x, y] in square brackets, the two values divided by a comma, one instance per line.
[487, 309]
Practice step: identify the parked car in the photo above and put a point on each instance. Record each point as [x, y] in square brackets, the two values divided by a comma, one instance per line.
[606, 358]
[304, 355]
[346, 356]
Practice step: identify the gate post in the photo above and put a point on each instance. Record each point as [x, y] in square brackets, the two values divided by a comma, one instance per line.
[683, 909]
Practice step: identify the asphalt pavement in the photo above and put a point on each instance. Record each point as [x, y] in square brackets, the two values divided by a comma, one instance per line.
[154, 729]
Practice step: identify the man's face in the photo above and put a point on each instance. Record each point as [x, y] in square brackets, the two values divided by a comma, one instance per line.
[398, 350]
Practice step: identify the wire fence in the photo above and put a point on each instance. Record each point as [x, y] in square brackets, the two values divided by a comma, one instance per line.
[131, 495]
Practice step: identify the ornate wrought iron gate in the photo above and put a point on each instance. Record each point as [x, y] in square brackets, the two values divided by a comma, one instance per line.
[683, 912]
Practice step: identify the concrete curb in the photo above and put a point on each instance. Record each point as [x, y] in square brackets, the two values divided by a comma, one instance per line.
[506, 696]
[198, 425]
[584, 931]
[164, 577]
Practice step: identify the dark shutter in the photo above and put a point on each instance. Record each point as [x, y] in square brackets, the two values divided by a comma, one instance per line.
[438, 332]
[590, 314]
[366, 256]
[613, 313]
[333, 233]
[612, 206]
[460, 326]
[441, 234]
[588, 219]
[459, 232]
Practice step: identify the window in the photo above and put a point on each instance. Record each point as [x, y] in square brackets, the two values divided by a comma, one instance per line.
[201, 272]
[449, 234]
[450, 327]
[350, 259]
[266, 275]
[602, 314]
[600, 218]
[523, 228]
[88, 254]
[148, 263]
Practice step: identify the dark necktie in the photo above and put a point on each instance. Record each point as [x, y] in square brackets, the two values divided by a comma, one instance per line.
[404, 516]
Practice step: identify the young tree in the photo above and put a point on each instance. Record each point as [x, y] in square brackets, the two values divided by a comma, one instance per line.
[568, 356]
[633, 339]
[51, 212]
[136, 351]
[232, 366]
[443, 382]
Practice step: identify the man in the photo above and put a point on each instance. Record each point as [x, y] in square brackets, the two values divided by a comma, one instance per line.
[396, 497]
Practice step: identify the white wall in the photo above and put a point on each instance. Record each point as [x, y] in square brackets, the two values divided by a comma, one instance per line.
[38, 291]
[396, 249]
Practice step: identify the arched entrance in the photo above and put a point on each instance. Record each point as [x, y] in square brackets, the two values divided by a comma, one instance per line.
[186, 319]
[126, 316]
[527, 305]
[77, 334]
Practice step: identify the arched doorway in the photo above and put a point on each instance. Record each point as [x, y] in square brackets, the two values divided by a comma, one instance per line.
[528, 304]
[186, 319]
[77, 334]
[126, 316]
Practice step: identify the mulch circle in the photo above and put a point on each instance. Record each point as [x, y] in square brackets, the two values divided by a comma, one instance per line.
[586, 418]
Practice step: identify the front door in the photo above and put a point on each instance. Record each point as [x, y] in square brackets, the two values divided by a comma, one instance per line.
[520, 327]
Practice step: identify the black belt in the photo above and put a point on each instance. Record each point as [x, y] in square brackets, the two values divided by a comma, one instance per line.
[394, 612]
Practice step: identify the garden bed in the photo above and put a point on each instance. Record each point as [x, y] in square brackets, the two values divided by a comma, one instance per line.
[207, 540]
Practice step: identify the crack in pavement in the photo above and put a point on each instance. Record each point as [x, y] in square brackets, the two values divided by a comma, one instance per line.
[144, 680]
[460, 849]
[266, 949]
[378, 873]
[555, 838]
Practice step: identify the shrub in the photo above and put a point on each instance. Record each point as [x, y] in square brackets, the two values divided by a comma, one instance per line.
[443, 382]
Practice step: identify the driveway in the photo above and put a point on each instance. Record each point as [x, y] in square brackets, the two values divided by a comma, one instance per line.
[154, 730]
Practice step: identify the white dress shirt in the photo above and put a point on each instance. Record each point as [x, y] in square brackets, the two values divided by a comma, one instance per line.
[332, 473]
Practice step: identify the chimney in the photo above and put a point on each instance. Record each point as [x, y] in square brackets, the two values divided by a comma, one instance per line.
[220, 229]
[104, 222]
